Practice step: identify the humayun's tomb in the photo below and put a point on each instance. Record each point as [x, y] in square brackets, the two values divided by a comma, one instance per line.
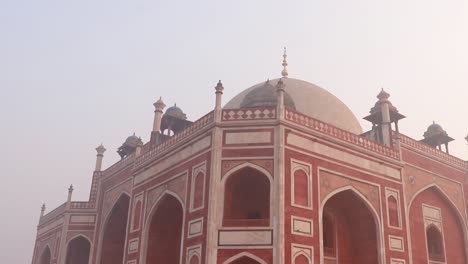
[282, 173]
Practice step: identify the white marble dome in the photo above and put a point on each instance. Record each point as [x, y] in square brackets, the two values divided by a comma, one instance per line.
[307, 98]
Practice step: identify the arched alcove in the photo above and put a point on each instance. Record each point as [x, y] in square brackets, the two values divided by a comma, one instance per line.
[301, 259]
[198, 190]
[435, 244]
[115, 231]
[394, 219]
[247, 198]
[428, 208]
[137, 216]
[301, 188]
[45, 256]
[78, 251]
[346, 213]
[194, 259]
[164, 240]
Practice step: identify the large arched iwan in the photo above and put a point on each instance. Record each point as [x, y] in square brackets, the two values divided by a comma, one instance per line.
[165, 232]
[247, 199]
[45, 256]
[244, 260]
[113, 240]
[453, 232]
[78, 251]
[356, 224]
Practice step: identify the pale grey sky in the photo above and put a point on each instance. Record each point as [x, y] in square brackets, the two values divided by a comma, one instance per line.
[74, 74]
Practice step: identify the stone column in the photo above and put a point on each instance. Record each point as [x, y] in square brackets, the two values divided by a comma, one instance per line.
[43, 208]
[100, 154]
[159, 107]
[385, 110]
[218, 108]
[280, 99]
[138, 148]
[69, 198]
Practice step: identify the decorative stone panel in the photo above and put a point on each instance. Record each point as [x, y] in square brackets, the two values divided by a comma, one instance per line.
[195, 227]
[302, 226]
[250, 237]
[306, 251]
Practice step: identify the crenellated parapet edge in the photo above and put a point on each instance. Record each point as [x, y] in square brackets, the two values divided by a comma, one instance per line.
[433, 152]
[340, 134]
[148, 154]
[247, 114]
[56, 213]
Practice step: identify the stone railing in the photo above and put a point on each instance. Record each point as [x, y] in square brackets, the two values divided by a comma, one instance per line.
[82, 205]
[52, 214]
[119, 165]
[341, 134]
[261, 113]
[433, 152]
[196, 126]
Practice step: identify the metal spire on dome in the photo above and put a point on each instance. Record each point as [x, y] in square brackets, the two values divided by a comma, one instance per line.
[284, 72]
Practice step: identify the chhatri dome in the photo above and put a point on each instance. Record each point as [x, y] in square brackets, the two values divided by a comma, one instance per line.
[300, 96]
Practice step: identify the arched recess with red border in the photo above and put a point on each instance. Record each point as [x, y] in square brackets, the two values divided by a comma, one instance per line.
[247, 192]
[163, 231]
[453, 229]
[358, 224]
[114, 232]
[78, 250]
[46, 255]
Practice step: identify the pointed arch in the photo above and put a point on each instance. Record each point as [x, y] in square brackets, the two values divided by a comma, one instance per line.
[435, 243]
[356, 192]
[373, 213]
[301, 188]
[452, 209]
[46, 255]
[78, 250]
[113, 235]
[148, 224]
[194, 259]
[244, 165]
[244, 255]
[444, 195]
[247, 191]
[301, 258]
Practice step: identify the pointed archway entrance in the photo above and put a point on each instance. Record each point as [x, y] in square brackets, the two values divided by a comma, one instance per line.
[45, 256]
[245, 260]
[78, 251]
[349, 230]
[165, 232]
[115, 229]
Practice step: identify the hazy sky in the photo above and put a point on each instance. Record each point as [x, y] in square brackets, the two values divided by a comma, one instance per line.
[74, 74]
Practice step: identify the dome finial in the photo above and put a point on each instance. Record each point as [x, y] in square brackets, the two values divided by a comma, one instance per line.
[284, 72]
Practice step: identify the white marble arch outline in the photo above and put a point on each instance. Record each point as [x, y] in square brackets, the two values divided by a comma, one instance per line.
[222, 187]
[104, 224]
[147, 222]
[42, 251]
[301, 254]
[85, 237]
[452, 204]
[378, 223]
[244, 254]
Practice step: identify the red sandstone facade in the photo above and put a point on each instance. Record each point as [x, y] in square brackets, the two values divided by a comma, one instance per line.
[265, 184]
